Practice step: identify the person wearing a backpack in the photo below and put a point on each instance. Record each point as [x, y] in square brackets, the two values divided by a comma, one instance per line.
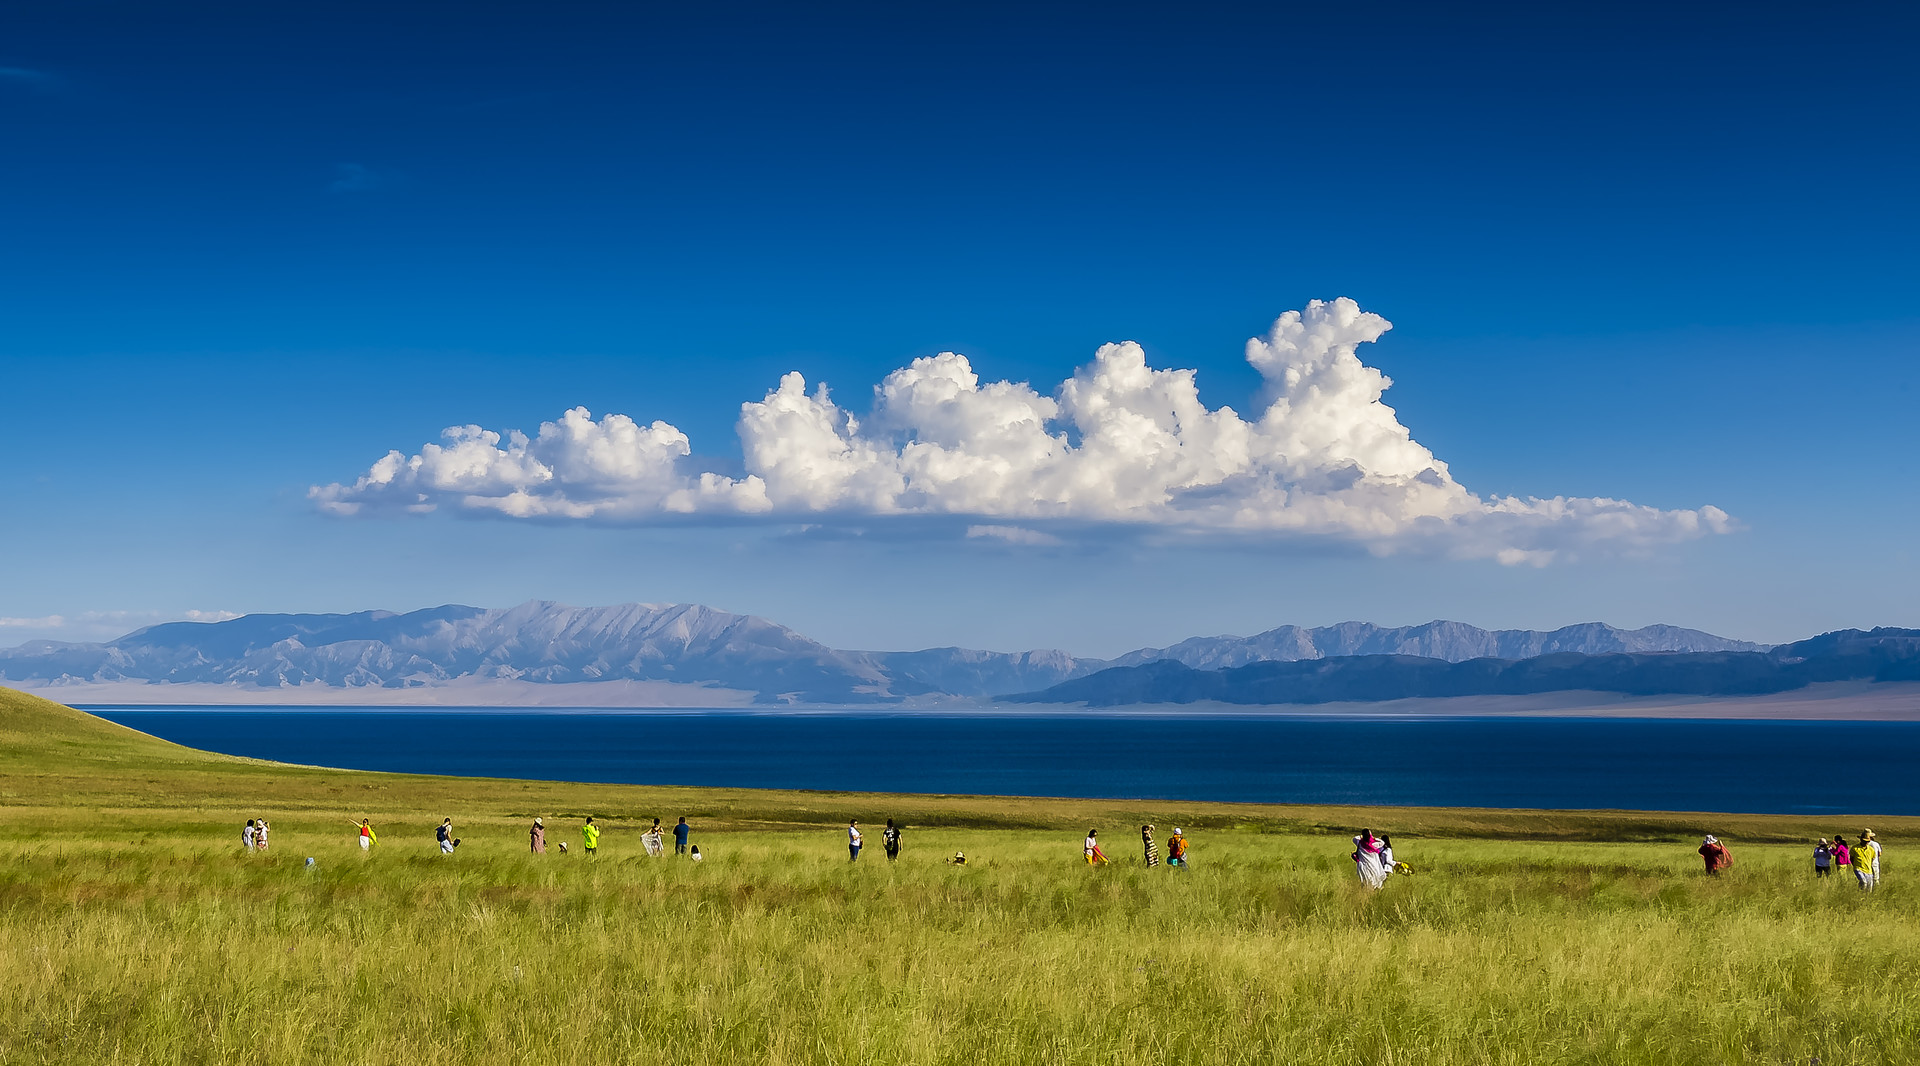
[444, 835]
[890, 839]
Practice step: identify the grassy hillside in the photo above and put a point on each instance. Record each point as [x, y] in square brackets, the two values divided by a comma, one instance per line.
[134, 929]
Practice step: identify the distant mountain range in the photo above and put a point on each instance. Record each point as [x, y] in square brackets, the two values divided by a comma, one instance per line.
[1850, 655]
[542, 642]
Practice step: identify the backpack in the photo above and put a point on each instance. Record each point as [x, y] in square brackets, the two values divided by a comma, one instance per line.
[440, 834]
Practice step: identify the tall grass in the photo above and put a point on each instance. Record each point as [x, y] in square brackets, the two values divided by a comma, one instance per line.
[134, 930]
[776, 949]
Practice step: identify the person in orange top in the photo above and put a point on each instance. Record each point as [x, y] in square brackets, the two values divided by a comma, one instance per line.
[367, 839]
[1177, 849]
[1716, 855]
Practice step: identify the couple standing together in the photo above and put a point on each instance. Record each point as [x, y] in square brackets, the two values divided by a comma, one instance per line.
[889, 839]
[1373, 857]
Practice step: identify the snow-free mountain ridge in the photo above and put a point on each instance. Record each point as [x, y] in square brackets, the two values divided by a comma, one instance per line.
[543, 642]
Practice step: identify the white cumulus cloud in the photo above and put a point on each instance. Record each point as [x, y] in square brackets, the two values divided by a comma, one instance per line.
[1118, 442]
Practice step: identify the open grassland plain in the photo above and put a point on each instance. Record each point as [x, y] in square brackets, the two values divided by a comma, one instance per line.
[134, 929]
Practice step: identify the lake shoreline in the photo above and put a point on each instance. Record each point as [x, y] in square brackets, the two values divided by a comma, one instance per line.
[1836, 701]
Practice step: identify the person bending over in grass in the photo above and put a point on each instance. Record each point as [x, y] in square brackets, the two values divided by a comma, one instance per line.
[1863, 865]
[1152, 849]
[591, 835]
[959, 859]
[1091, 848]
[1715, 854]
[1177, 849]
[1822, 858]
[367, 839]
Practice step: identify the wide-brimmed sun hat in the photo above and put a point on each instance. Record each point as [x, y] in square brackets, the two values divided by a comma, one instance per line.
[1711, 839]
[537, 821]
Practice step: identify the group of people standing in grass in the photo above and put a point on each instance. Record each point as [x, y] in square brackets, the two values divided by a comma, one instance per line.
[1150, 850]
[1862, 857]
[653, 840]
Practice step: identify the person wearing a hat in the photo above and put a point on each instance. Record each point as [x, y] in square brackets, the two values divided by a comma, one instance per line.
[1716, 855]
[1873, 845]
[537, 836]
[1863, 863]
[959, 858]
[1177, 849]
[1822, 858]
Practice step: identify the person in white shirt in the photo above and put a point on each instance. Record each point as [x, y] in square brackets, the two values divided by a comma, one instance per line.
[246, 835]
[1873, 843]
[853, 841]
[1092, 848]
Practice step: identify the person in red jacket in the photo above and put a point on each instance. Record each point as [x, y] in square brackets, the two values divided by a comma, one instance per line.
[1715, 854]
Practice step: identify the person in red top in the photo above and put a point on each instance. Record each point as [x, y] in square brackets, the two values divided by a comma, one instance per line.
[1715, 854]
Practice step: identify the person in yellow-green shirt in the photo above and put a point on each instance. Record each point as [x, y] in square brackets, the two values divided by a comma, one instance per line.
[592, 834]
[1863, 865]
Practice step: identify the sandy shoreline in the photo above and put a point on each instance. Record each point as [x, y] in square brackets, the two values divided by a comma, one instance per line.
[1839, 701]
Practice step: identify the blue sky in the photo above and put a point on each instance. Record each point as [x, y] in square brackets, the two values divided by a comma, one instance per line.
[1629, 253]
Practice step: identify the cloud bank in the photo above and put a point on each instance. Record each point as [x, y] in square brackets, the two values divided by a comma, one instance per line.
[1120, 442]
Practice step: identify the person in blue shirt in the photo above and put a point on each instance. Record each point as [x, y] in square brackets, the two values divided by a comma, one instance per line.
[680, 837]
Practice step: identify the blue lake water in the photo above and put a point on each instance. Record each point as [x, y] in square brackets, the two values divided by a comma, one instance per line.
[1640, 764]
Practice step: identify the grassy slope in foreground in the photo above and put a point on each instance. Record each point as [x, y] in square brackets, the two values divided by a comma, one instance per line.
[132, 929]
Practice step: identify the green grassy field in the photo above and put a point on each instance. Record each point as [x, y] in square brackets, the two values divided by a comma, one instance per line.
[133, 929]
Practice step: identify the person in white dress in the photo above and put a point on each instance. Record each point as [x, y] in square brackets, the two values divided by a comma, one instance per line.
[1366, 859]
